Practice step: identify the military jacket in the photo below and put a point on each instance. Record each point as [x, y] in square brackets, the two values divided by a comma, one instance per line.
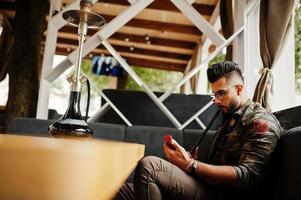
[246, 142]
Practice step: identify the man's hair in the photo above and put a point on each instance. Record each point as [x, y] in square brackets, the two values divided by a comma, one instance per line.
[225, 69]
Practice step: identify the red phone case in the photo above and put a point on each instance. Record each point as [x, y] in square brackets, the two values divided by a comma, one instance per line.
[167, 138]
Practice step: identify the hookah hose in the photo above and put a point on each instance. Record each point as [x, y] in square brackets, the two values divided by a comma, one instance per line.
[200, 139]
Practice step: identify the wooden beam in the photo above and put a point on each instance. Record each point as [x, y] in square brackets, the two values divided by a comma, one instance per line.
[134, 50]
[165, 5]
[152, 47]
[160, 34]
[145, 46]
[138, 38]
[156, 65]
[135, 61]
[151, 52]
[141, 23]
[155, 25]
[128, 53]
[149, 24]
[154, 40]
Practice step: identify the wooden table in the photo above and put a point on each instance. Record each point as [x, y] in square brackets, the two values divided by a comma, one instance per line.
[49, 168]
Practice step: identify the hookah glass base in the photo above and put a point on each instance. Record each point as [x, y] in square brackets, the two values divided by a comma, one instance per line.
[68, 128]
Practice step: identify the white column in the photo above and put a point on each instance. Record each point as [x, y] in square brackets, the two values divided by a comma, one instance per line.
[239, 46]
[202, 82]
[253, 62]
[49, 52]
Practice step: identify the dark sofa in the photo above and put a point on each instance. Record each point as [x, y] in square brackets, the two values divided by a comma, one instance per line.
[285, 163]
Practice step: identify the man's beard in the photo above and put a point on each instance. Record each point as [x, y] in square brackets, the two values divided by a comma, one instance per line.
[230, 111]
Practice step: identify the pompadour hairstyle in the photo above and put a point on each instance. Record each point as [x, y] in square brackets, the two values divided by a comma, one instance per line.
[224, 68]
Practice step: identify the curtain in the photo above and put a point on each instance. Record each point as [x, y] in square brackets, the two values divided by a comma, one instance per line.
[6, 42]
[275, 16]
[226, 17]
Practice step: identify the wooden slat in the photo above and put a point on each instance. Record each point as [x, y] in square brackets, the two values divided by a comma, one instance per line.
[160, 34]
[165, 5]
[135, 50]
[149, 57]
[155, 25]
[156, 65]
[153, 47]
[207, 2]
[154, 41]
[138, 38]
[137, 45]
[62, 50]
[129, 53]
[142, 23]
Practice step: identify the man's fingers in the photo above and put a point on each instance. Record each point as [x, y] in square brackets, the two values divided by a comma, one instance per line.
[175, 144]
[195, 153]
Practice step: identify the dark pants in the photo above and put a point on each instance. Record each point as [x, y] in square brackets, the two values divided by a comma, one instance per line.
[157, 179]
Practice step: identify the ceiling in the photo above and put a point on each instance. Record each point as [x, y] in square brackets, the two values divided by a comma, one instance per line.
[158, 37]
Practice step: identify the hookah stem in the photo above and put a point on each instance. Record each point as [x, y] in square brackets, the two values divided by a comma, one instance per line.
[88, 99]
[82, 29]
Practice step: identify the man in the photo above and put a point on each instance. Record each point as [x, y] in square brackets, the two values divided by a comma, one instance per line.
[237, 159]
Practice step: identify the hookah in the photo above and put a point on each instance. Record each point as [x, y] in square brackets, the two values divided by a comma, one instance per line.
[72, 124]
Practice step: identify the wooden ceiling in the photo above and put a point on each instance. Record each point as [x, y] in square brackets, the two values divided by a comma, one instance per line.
[158, 37]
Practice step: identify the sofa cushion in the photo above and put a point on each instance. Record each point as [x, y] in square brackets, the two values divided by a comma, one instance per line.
[39, 127]
[29, 126]
[286, 166]
[53, 114]
[152, 137]
[108, 131]
[289, 118]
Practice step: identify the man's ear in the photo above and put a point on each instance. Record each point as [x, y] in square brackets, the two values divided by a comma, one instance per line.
[239, 89]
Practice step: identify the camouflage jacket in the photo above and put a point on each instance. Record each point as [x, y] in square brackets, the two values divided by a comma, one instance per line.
[246, 142]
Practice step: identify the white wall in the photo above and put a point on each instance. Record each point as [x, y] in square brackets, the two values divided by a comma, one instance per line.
[284, 75]
[253, 62]
[4, 91]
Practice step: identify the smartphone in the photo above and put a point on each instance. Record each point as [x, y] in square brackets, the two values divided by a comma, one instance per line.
[167, 140]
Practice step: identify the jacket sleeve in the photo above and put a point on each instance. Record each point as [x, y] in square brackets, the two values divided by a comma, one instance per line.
[261, 133]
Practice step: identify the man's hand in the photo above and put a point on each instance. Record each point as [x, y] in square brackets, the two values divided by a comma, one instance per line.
[176, 154]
